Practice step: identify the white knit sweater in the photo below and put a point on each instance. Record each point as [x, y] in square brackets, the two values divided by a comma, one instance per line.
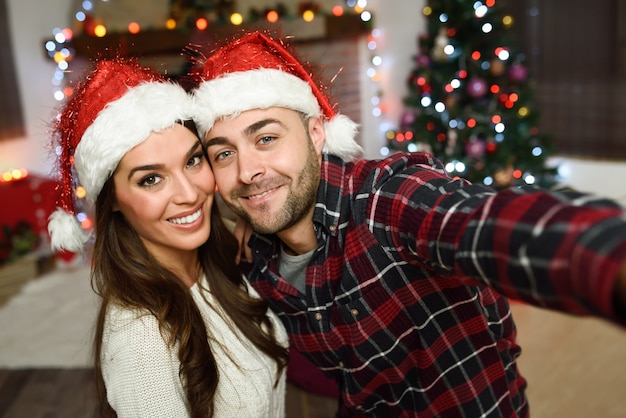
[141, 374]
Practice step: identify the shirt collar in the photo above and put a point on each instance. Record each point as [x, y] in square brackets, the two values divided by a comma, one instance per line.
[328, 204]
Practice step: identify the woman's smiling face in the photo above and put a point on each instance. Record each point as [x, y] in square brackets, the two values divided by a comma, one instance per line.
[164, 187]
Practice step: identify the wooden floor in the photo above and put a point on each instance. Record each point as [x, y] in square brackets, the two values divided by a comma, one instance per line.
[68, 393]
[576, 368]
[46, 393]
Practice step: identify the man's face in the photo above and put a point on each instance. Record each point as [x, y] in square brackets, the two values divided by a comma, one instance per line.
[267, 166]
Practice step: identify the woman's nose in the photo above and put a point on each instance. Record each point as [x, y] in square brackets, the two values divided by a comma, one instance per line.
[184, 190]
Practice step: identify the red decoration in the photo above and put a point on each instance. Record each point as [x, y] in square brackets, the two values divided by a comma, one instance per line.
[31, 200]
[491, 147]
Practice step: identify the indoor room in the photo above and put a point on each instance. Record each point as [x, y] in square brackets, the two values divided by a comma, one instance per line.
[506, 94]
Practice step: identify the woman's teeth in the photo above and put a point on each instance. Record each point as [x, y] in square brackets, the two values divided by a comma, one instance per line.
[186, 219]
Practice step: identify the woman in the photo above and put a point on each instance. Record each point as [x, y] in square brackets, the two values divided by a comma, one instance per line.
[179, 331]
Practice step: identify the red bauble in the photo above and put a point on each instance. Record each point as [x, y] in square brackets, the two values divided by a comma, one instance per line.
[491, 147]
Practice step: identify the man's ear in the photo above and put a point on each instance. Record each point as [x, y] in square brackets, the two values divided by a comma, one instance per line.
[317, 134]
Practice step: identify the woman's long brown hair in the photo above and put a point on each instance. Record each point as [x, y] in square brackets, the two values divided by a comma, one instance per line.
[125, 273]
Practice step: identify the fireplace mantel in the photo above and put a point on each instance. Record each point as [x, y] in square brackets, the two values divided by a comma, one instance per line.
[166, 41]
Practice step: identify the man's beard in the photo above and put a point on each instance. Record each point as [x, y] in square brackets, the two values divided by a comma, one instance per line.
[300, 199]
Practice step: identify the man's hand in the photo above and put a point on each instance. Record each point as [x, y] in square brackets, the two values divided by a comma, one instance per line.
[242, 233]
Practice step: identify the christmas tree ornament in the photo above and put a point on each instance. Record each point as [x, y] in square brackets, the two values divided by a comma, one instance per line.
[475, 148]
[491, 147]
[452, 136]
[438, 52]
[408, 117]
[476, 87]
[497, 67]
[504, 177]
[518, 72]
[451, 101]
[423, 60]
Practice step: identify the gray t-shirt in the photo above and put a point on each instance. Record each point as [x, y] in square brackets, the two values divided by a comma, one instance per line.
[293, 268]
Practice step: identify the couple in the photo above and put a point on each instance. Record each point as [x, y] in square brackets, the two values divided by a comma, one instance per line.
[390, 276]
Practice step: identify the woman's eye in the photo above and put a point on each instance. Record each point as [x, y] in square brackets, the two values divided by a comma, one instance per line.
[149, 181]
[195, 160]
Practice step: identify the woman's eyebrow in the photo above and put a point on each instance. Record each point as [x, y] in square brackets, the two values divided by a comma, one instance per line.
[148, 167]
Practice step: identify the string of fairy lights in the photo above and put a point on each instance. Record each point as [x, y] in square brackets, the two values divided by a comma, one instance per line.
[60, 50]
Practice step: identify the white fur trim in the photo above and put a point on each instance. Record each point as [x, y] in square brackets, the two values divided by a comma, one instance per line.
[237, 92]
[259, 89]
[337, 128]
[124, 124]
[66, 233]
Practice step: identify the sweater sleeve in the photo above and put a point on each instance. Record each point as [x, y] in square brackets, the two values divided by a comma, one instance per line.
[139, 371]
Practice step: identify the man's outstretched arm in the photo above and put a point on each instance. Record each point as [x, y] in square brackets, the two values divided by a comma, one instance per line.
[620, 294]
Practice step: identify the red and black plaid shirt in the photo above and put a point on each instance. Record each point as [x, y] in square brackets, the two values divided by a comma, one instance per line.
[396, 308]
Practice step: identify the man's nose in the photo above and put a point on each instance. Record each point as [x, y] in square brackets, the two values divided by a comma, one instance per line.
[251, 165]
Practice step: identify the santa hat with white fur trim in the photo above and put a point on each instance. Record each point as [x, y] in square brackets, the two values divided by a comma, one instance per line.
[117, 106]
[258, 72]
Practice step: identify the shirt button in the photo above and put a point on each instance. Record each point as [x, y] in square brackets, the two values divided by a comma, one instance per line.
[332, 228]
[354, 312]
[341, 364]
[359, 407]
[318, 316]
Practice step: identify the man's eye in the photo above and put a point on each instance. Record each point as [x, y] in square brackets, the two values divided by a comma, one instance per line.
[222, 155]
[266, 139]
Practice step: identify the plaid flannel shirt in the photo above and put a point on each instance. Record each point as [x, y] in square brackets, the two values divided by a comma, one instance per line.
[396, 307]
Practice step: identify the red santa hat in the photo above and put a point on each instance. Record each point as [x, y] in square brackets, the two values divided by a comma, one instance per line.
[258, 72]
[117, 106]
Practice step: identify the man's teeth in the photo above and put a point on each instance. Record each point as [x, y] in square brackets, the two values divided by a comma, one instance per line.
[258, 196]
[186, 219]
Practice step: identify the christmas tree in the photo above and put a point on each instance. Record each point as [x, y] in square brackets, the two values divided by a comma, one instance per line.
[470, 100]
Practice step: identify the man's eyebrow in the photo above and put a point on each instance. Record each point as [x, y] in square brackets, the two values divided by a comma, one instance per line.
[249, 130]
[256, 126]
[218, 140]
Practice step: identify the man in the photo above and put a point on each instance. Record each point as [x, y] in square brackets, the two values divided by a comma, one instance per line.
[389, 275]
